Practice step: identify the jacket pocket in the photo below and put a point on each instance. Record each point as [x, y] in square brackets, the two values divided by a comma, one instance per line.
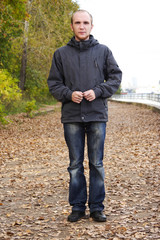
[105, 102]
[98, 108]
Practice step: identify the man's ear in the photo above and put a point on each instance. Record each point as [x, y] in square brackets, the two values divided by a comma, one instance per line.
[71, 27]
[92, 26]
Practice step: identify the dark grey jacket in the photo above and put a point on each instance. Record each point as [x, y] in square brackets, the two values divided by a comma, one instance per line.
[81, 66]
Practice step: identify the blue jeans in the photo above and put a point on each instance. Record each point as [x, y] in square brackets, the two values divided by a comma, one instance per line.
[75, 138]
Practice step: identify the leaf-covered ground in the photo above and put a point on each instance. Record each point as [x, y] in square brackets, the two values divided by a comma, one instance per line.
[34, 178]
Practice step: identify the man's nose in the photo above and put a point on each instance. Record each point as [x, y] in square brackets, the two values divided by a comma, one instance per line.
[82, 25]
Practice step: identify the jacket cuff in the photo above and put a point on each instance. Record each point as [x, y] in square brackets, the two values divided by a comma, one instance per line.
[69, 95]
[98, 92]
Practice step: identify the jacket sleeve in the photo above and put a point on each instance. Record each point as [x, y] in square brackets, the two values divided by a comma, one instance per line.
[113, 77]
[56, 80]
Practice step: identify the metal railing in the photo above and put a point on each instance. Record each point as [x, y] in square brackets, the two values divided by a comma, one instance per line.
[145, 96]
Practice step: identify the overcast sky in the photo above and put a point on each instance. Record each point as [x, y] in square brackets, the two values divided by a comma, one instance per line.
[131, 29]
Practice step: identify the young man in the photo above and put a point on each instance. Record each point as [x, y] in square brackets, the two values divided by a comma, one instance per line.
[83, 75]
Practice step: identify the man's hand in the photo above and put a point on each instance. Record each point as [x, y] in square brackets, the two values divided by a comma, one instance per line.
[89, 95]
[77, 96]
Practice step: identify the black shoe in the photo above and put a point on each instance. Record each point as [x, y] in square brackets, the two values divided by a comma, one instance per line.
[98, 216]
[75, 216]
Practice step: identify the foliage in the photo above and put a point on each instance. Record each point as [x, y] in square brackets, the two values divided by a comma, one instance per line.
[49, 28]
[9, 92]
[30, 106]
[11, 27]
[2, 115]
[119, 90]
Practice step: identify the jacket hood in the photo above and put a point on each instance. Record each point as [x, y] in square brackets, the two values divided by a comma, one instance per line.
[83, 45]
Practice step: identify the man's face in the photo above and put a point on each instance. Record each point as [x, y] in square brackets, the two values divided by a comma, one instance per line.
[81, 26]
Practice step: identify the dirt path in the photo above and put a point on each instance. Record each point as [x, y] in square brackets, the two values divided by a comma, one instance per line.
[34, 178]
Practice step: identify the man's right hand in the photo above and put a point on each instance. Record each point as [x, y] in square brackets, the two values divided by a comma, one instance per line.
[77, 96]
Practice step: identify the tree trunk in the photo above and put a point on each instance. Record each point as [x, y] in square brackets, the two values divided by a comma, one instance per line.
[24, 54]
[24, 58]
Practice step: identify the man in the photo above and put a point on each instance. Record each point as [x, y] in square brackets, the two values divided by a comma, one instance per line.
[83, 75]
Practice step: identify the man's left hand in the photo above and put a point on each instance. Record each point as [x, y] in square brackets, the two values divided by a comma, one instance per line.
[89, 95]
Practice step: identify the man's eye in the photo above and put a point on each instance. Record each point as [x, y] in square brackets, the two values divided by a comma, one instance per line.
[86, 23]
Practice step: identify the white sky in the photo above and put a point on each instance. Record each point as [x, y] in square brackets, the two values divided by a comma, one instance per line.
[131, 29]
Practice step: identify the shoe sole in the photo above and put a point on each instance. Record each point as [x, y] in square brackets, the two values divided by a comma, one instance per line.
[98, 220]
[70, 220]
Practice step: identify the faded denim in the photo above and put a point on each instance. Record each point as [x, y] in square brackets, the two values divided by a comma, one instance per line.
[75, 138]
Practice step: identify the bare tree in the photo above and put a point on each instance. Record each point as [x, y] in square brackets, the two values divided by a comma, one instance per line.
[25, 46]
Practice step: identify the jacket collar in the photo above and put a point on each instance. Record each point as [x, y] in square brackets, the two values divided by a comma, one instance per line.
[83, 45]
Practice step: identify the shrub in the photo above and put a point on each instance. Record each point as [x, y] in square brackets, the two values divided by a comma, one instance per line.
[2, 115]
[9, 92]
[30, 106]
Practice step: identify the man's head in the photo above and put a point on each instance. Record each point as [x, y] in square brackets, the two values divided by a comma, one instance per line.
[81, 24]
[80, 10]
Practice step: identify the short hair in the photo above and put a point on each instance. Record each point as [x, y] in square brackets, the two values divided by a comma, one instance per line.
[81, 10]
